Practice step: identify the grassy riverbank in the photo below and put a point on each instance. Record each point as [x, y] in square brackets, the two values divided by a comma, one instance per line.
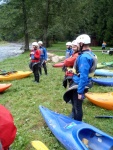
[24, 97]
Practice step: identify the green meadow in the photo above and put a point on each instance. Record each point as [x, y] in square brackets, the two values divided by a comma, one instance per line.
[24, 97]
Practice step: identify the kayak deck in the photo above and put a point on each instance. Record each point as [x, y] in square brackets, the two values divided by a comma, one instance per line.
[76, 135]
[15, 75]
[104, 100]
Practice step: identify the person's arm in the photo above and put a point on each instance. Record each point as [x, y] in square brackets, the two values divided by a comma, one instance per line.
[84, 67]
[45, 54]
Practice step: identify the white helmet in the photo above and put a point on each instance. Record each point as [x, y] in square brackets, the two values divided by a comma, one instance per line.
[35, 44]
[83, 38]
[40, 42]
[75, 43]
[68, 44]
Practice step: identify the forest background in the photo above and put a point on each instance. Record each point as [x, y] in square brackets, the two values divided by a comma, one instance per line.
[56, 20]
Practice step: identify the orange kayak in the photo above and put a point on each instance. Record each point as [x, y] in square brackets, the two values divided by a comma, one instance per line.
[4, 87]
[59, 65]
[15, 75]
[104, 100]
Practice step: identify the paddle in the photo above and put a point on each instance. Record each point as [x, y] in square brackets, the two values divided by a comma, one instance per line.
[104, 116]
[38, 145]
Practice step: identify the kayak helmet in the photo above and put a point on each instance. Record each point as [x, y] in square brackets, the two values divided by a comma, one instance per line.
[35, 44]
[75, 43]
[68, 44]
[40, 42]
[83, 38]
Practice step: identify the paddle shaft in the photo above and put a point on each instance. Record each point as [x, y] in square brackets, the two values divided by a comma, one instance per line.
[104, 116]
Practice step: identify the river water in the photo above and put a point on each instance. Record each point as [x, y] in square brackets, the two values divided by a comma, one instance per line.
[10, 50]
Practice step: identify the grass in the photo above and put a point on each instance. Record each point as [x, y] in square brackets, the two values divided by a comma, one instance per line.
[24, 97]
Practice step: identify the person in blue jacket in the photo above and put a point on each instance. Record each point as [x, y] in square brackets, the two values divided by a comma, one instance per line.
[84, 67]
[43, 57]
[69, 50]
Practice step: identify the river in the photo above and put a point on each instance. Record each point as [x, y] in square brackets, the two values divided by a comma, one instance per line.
[10, 50]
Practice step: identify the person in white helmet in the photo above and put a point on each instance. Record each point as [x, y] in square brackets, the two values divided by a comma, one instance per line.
[35, 61]
[43, 57]
[84, 66]
[69, 50]
[69, 62]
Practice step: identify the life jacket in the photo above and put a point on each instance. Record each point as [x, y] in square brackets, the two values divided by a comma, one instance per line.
[42, 50]
[69, 73]
[69, 62]
[92, 69]
[34, 54]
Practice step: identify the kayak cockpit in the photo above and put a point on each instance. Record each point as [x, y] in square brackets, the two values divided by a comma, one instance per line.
[95, 141]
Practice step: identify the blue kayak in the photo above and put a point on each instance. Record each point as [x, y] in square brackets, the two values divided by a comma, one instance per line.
[76, 135]
[103, 81]
[103, 72]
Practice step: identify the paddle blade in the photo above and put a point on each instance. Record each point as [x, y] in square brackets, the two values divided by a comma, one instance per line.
[104, 116]
[38, 145]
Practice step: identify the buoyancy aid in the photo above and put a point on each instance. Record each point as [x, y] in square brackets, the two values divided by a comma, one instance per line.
[92, 69]
[35, 55]
[69, 62]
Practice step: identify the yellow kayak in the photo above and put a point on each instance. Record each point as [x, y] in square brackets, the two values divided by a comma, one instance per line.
[15, 75]
[104, 100]
[38, 145]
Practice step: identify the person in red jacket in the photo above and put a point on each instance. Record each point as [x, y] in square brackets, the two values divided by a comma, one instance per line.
[35, 61]
[69, 62]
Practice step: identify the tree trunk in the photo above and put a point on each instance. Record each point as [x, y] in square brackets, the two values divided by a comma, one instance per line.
[26, 35]
[45, 38]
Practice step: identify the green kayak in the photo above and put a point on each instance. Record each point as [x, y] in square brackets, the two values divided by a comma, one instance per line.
[104, 64]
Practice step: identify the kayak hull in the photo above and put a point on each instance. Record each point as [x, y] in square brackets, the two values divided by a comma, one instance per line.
[4, 87]
[15, 75]
[103, 81]
[99, 65]
[103, 72]
[104, 64]
[75, 135]
[104, 100]
[58, 65]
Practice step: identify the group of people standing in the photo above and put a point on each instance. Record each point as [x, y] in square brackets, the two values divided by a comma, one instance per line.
[83, 63]
[81, 60]
[38, 59]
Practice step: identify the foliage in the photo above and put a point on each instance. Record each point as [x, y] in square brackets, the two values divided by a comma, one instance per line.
[24, 97]
[52, 21]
